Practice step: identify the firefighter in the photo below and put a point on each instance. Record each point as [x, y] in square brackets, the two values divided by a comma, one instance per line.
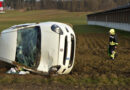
[112, 43]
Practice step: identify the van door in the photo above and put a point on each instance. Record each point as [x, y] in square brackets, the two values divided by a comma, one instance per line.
[50, 48]
[28, 51]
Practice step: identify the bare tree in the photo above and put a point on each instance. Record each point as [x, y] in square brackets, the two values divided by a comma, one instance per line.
[71, 5]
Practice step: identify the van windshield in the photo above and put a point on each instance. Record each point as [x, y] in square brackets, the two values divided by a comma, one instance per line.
[28, 48]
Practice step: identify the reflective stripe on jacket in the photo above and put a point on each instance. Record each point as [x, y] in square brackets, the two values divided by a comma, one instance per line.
[113, 40]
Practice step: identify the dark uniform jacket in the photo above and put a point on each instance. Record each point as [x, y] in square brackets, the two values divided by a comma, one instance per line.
[113, 40]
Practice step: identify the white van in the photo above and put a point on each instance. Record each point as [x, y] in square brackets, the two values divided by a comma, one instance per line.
[42, 48]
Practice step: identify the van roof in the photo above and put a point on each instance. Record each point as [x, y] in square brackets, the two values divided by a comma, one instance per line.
[16, 27]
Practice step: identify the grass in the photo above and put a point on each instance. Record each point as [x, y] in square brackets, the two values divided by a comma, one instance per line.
[65, 80]
[17, 17]
[90, 29]
[78, 20]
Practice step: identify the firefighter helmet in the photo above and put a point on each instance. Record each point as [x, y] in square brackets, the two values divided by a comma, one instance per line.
[112, 31]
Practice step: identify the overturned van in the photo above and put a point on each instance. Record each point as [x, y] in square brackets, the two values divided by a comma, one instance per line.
[42, 48]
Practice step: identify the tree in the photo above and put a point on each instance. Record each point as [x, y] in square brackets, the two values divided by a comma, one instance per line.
[71, 5]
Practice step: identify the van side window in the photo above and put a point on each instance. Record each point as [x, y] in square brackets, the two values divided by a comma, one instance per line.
[28, 50]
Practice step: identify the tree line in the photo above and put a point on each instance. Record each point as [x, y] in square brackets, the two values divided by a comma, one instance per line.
[71, 5]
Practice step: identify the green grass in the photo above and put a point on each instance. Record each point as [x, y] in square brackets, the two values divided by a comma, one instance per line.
[90, 29]
[124, 33]
[77, 19]
[17, 17]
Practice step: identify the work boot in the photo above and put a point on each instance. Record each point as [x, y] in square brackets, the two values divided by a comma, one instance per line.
[112, 58]
[113, 55]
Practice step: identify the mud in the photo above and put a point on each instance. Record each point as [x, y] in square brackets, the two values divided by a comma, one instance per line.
[92, 53]
[92, 61]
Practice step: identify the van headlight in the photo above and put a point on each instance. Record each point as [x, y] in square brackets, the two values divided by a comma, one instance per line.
[57, 29]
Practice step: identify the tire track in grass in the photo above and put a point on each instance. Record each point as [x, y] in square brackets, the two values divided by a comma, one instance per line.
[81, 44]
[105, 40]
[98, 41]
[102, 40]
[92, 42]
[88, 42]
[100, 51]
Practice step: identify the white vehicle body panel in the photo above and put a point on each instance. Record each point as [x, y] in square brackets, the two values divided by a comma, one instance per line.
[49, 48]
[56, 50]
[8, 46]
